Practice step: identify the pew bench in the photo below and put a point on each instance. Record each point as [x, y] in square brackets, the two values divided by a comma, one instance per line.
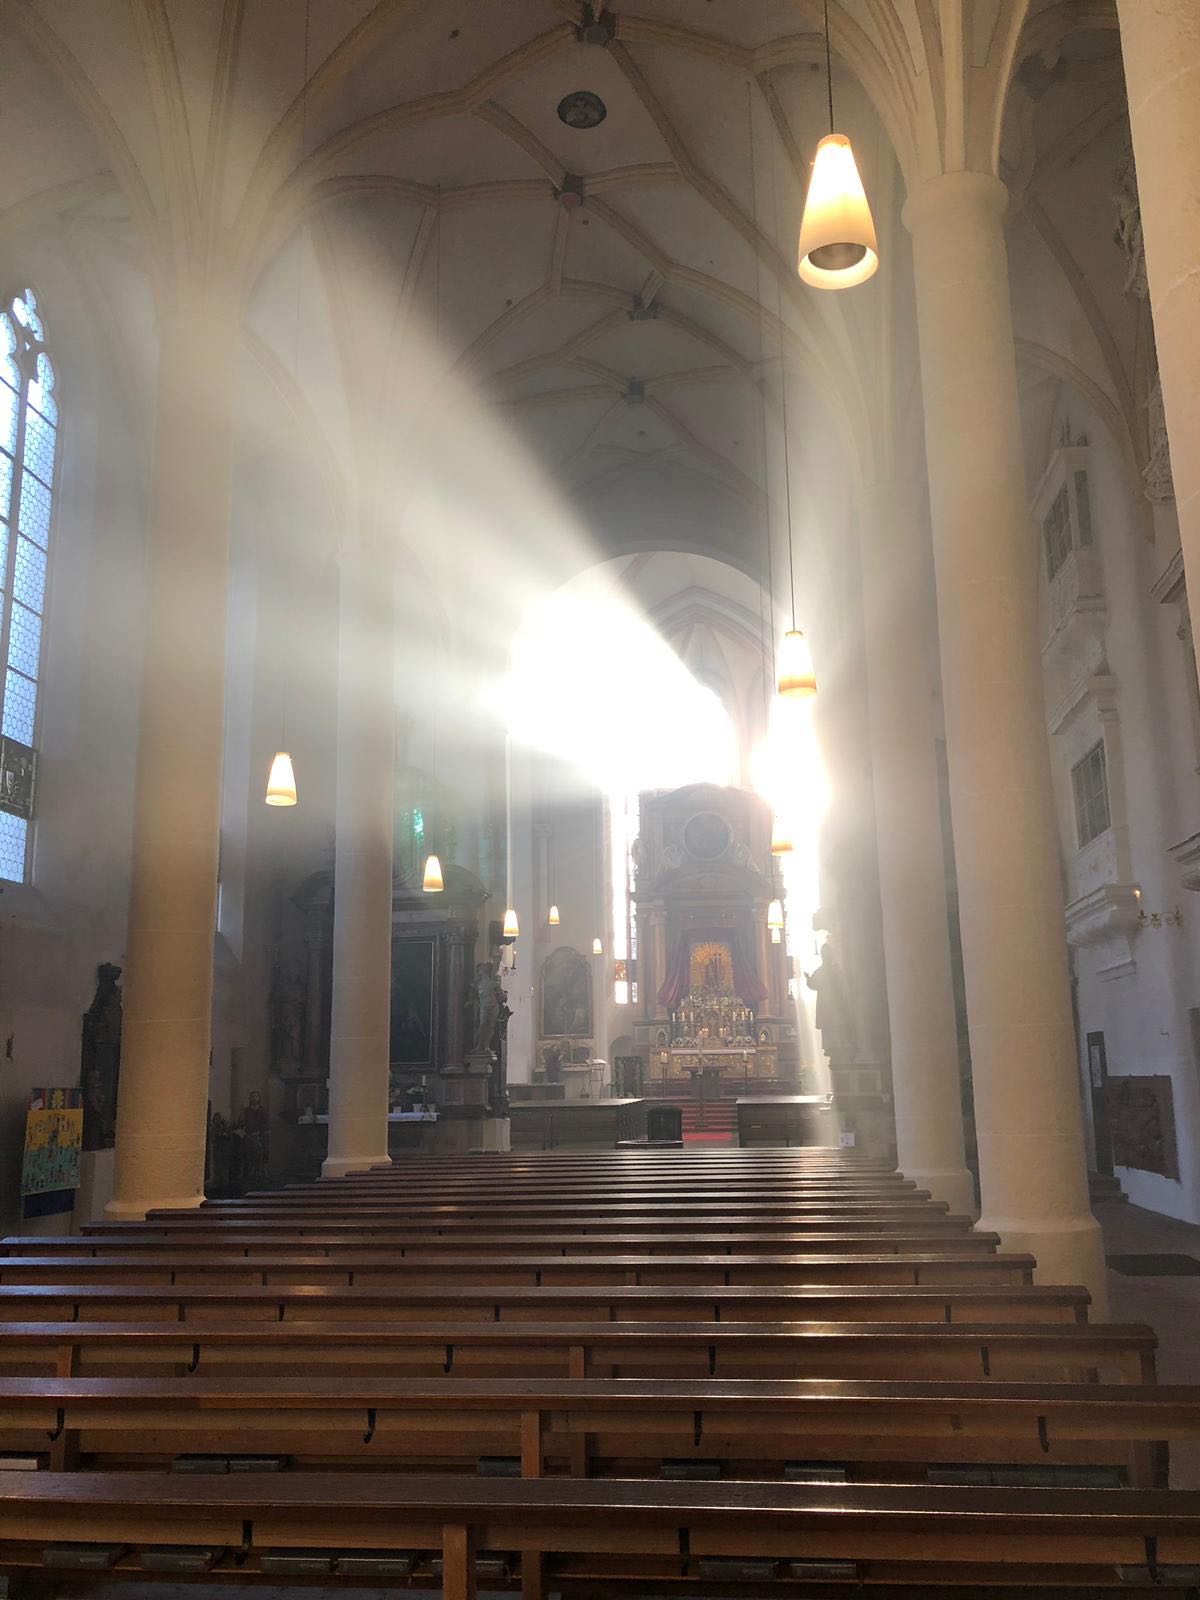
[584, 1534]
[949, 1303]
[504, 1268]
[444, 1247]
[1054, 1352]
[623, 1427]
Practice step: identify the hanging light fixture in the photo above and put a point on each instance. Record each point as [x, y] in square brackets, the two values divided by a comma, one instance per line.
[781, 838]
[554, 919]
[432, 882]
[776, 936]
[511, 930]
[775, 915]
[797, 677]
[837, 248]
[597, 946]
[281, 781]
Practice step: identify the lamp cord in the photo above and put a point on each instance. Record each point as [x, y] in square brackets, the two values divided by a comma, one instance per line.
[769, 590]
[783, 392]
[828, 67]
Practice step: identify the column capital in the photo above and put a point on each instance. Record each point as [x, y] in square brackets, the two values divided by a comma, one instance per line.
[950, 193]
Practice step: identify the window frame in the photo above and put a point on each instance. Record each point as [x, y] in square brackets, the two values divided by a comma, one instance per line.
[14, 532]
[1086, 799]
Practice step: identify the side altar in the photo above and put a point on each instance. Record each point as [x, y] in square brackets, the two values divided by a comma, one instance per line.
[715, 1016]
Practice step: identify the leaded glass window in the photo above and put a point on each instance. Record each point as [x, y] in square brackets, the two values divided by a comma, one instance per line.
[28, 455]
[1089, 786]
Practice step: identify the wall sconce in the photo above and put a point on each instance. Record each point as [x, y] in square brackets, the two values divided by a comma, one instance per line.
[1160, 919]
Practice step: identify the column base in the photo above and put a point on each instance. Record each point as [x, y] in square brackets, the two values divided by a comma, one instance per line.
[954, 1185]
[339, 1166]
[135, 1210]
[1066, 1252]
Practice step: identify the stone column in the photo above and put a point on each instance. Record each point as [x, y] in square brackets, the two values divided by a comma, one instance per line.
[1029, 1120]
[362, 867]
[163, 1097]
[912, 875]
[1160, 43]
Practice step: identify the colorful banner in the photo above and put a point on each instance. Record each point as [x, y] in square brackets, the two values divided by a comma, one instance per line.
[53, 1141]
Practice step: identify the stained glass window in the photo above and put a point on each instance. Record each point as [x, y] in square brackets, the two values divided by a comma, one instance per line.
[28, 454]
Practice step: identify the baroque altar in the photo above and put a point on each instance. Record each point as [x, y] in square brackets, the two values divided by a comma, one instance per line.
[715, 1014]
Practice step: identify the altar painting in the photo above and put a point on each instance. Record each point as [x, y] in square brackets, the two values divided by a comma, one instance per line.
[710, 969]
[566, 996]
[412, 1002]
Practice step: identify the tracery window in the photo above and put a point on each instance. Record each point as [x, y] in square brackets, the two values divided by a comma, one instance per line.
[28, 458]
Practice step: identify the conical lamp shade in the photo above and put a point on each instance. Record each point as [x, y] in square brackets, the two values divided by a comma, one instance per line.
[837, 235]
[432, 882]
[281, 782]
[775, 915]
[510, 924]
[797, 679]
[781, 838]
[597, 947]
[553, 919]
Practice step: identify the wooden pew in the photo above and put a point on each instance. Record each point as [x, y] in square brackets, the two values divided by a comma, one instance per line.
[503, 1267]
[1053, 1352]
[620, 1427]
[453, 1304]
[203, 1224]
[597, 1534]
[283, 1245]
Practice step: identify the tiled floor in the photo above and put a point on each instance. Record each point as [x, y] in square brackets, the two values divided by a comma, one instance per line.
[1171, 1305]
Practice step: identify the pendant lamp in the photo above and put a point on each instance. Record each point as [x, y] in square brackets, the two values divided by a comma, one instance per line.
[797, 678]
[511, 929]
[781, 838]
[838, 248]
[553, 919]
[776, 936]
[281, 782]
[775, 915]
[432, 882]
[597, 947]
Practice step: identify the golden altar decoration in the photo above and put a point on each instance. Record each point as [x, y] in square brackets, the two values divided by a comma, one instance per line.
[712, 1030]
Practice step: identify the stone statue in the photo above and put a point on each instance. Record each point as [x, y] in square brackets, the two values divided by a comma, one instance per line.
[834, 1021]
[488, 1001]
[252, 1132]
[287, 1019]
[100, 1060]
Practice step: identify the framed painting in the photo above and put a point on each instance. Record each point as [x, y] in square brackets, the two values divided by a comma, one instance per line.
[414, 971]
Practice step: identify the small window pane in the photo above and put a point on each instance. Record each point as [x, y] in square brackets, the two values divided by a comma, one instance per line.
[1083, 509]
[1056, 530]
[13, 834]
[6, 475]
[39, 446]
[29, 578]
[39, 390]
[25, 641]
[35, 510]
[25, 311]
[1089, 785]
[20, 704]
[9, 406]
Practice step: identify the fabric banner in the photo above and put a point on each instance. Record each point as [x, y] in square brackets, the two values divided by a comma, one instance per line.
[53, 1141]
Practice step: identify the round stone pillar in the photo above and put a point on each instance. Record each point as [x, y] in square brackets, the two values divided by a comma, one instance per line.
[1028, 1116]
[163, 1096]
[1160, 43]
[912, 872]
[359, 1053]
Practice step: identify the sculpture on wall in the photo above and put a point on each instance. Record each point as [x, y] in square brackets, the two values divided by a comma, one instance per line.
[834, 1021]
[100, 1060]
[487, 1004]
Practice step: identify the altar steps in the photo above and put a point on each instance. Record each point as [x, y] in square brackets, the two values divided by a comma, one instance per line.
[713, 1123]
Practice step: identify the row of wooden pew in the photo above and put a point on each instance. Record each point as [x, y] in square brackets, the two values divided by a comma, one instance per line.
[718, 1372]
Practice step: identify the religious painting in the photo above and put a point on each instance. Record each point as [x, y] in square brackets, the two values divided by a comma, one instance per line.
[706, 836]
[1142, 1116]
[566, 995]
[413, 969]
[710, 968]
[53, 1140]
[18, 769]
